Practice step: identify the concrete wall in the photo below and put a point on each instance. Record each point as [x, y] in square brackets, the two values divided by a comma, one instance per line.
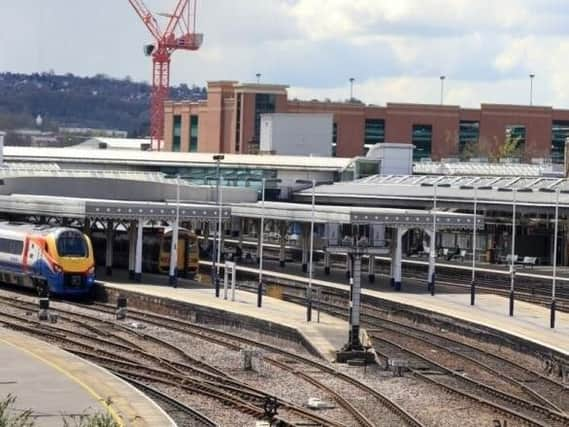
[297, 134]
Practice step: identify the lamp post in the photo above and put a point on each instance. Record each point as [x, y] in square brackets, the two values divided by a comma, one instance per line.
[555, 234]
[474, 237]
[263, 188]
[313, 183]
[442, 78]
[217, 248]
[432, 255]
[173, 274]
[513, 243]
[258, 75]
[173, 270]
[531, 76]
[352, 88]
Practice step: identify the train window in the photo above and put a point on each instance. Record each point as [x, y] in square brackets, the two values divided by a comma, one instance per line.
[72, 244]
[10, 246]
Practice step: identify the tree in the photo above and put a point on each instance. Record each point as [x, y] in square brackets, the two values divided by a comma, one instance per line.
[510, 148]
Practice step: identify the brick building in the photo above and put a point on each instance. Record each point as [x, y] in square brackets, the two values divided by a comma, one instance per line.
[228, 122]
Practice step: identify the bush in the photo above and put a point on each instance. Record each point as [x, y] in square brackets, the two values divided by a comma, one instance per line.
[95, 420]
[7, 419]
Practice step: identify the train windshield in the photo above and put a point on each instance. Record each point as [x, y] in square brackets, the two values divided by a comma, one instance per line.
[72, 244]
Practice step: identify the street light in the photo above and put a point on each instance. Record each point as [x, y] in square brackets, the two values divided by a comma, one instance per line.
[513, 243]
[258, 75]
[215, 274]
[432, 255]
[173, 271]
[313, 183]
[352, 88]
[442, 78]
[531, 76]
[554, 279]
[474, 241]
[263, 187]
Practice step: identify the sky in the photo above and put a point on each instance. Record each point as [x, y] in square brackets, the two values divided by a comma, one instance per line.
[395, 50]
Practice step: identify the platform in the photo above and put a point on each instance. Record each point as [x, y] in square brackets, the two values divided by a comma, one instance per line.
[326, 337]
[530, 321]
[54, 383]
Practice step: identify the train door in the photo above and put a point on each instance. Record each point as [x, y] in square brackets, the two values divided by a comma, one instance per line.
[181, 254]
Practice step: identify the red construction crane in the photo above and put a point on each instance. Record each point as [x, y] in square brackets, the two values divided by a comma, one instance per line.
[179, 34]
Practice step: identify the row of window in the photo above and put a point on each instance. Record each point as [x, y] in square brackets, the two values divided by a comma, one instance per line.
[9, 246]
[468, 137]
[177, 133]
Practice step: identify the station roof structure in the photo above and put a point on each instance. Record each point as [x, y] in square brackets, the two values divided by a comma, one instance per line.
[74, 207]
[488, 169]
[112, 185]
[296, 212]
[454, 192]
[174, 159]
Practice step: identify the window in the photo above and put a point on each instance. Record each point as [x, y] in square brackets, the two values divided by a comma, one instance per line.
[264, 104]
[422, 140]
[194, 121]
[374, 131]
[334, 138]
[469, 132]
[238, 124]
[517, 135]
[177, 140]
[9, 246]
[559, 134]
[71, 244]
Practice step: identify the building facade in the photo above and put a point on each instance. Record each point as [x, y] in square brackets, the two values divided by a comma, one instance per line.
[229, 122]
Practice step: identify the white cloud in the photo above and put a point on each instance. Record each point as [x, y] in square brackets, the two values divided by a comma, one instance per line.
[395, 49]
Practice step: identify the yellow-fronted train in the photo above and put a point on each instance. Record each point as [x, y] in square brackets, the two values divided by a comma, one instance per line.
[44, 256]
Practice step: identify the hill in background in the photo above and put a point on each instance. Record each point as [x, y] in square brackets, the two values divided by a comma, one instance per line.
[86, 102]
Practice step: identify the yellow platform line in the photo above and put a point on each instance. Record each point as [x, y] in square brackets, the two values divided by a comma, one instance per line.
[89, 389]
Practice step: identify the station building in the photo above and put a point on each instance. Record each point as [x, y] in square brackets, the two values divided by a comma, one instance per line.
[229, 122]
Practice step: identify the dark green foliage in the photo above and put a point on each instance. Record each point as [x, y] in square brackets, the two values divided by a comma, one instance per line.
[11, 417]
[72, 101]
[96, 420]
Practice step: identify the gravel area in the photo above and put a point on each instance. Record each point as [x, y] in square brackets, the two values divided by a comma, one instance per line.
[424, 401]
[428, 402]
[222, 414]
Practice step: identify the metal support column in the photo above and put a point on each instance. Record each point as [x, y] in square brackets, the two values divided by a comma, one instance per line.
[131, 248]
[432, 259]
[392, 255]
[138, 256]
[327, 263]
[371, 269]
[282, 248]
[355, 343]
[109, 249]
[259, 234]
[398, 257]
[304, 243]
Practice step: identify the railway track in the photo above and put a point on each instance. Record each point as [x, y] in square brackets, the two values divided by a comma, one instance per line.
[237, 342]
[217, 385]
[533, 288]
[455, 381]
[544, 390]
[183, 415]
[545, 400]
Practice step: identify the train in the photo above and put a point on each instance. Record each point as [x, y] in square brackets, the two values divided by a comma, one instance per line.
[156, 245]
[46, 258]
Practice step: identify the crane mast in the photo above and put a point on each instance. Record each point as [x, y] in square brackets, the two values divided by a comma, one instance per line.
[179, 34]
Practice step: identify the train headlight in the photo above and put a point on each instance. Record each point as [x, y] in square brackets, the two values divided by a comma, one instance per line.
[57, 268]
[91, 270]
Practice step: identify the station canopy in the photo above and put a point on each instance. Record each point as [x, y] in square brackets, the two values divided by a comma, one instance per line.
[454, 192]
[295, 212]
